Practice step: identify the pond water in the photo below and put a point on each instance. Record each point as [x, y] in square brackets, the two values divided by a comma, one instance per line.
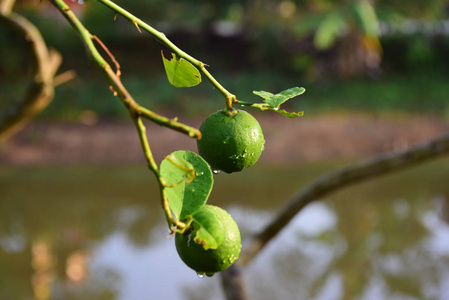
[98, 233]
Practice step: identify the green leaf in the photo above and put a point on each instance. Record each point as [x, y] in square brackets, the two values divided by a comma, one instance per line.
[263, 94]
[209, 232]
[188, 181]
[180, 72]
[276, 100]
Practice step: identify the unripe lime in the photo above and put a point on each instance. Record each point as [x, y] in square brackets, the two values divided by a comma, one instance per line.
[221, 231]
[231, 143]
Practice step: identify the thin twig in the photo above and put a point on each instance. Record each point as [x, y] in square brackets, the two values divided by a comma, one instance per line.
[111, 56]
[64, 77]
[153, 167]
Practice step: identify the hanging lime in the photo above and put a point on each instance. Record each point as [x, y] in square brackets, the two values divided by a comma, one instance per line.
[231, 142]
[212, 243]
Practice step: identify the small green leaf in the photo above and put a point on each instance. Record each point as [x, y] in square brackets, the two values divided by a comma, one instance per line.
[180, 72]
[276, 100]
[188, 181]
[210, 232]
[263, 94]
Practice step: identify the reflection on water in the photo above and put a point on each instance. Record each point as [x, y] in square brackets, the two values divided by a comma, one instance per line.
[98, 233]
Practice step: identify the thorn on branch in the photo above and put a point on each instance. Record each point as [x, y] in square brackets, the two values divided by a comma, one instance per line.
[137, 26]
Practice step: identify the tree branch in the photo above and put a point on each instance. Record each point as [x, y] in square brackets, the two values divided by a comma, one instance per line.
[380, 165]
[113, 78]
[41, 90]
[366, 169]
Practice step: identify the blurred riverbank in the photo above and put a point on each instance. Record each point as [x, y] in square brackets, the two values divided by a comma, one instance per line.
[310, 138]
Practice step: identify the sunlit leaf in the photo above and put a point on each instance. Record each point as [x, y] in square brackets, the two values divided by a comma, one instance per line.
[188, 180]
[263, 94]
[180, 72]
[275, 100]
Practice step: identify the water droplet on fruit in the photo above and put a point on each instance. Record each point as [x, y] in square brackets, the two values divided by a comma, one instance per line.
[200, 274]
[276, 108]
[216, 171]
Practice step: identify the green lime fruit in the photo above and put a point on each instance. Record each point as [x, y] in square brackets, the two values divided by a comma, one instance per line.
[212, 243]
[231, 142]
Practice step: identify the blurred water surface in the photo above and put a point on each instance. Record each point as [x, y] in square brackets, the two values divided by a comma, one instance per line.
[74, 232]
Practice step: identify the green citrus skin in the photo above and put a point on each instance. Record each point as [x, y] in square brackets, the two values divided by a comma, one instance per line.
[231, 143]
[223, 228]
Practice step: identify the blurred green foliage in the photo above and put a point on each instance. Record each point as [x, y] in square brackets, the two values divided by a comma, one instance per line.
[250, 45]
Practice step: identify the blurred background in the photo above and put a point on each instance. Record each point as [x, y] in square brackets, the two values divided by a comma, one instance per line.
[80, 216]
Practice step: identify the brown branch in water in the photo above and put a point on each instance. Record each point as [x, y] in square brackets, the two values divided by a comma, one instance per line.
[232, 283]
[41, 90]
[366, 169]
